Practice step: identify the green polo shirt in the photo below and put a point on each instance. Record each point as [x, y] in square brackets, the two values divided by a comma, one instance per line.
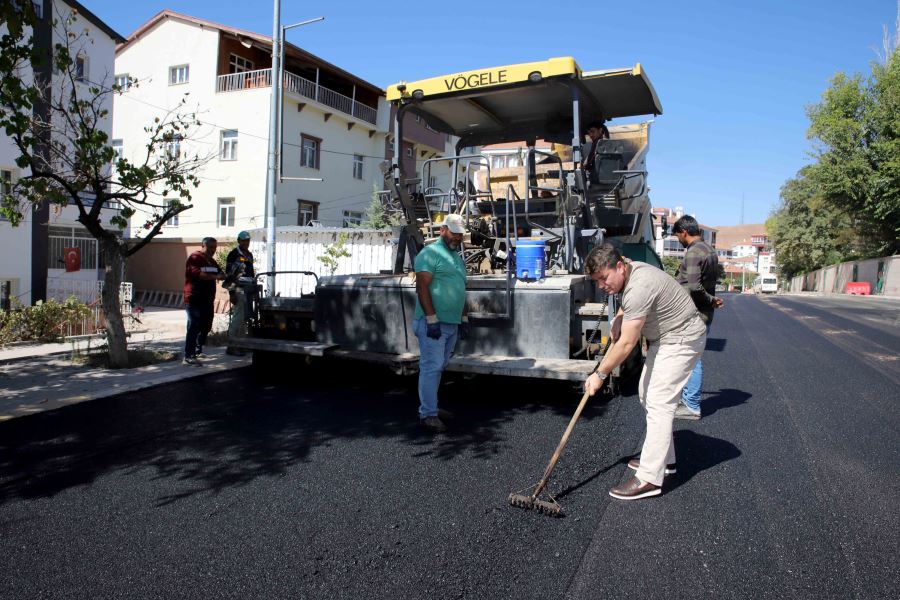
[448, 281]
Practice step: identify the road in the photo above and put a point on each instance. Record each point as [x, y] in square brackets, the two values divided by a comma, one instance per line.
[318, 484]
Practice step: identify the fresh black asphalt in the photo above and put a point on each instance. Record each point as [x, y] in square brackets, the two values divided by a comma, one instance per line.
[316, 483]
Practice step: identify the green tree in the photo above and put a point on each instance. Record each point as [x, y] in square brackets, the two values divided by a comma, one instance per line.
[56, 125]
[846, 204]
[376, 217]
[334, 252]
[806, 231]
[671, 264]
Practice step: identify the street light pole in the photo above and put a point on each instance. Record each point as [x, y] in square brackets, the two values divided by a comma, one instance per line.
[272, 162]
[274, 174]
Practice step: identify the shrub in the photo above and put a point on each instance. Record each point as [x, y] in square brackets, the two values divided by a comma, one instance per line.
[42, 322]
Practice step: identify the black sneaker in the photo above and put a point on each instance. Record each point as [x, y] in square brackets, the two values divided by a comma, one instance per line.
[433, 424]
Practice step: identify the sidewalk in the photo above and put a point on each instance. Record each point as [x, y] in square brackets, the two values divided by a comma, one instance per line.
[39, 377]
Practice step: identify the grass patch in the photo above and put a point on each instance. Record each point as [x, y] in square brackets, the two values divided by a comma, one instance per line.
[136, 358]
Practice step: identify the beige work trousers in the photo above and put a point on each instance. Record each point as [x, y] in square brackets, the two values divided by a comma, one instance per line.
[666, 371]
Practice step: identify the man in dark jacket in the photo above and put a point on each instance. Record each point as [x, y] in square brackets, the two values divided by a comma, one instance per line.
[200, 275]
[697, 274]
[240, 281]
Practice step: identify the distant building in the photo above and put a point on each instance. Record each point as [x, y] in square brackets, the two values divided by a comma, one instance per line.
[742, 240]
[668, 245]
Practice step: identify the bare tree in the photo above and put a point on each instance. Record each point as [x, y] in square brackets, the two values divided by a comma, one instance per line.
[57, 125]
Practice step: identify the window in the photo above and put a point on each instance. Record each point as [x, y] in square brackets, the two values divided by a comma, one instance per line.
[357, 166]
[498, 162]
[5, 187]
[173, 147]
[226, 212]
[351, 218]
[512, 161]
[307, 212]
[228, 146]
[409, 152]
[309, 151]
[60, 238]
[118, 151]
[38, 8]
[123, 81]
[179, 74]
[239, 64]
[5, 182]
[80, 67]
[173, 222]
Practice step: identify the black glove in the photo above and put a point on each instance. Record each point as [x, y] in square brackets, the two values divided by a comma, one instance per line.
[434, 330]
[463, 331]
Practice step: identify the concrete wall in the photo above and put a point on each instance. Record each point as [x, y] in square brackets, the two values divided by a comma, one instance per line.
[159, 267]
[160, 264]
[834, 279]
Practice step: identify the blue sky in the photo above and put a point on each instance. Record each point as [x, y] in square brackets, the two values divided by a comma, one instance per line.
[734, 78]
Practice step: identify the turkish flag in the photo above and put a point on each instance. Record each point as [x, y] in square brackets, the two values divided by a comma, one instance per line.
[73, 259]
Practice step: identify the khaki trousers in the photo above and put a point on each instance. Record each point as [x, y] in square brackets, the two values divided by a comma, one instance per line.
[666, 371]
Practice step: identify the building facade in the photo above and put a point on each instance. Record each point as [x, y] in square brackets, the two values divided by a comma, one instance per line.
[331, 126]
[666, 244]
[37, 246]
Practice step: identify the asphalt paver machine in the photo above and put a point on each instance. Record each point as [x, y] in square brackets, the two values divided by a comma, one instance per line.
[548, 324]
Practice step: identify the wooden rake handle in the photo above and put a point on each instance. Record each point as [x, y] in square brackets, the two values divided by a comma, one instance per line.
[559, 449]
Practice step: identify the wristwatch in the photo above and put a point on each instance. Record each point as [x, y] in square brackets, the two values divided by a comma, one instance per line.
[601, 375]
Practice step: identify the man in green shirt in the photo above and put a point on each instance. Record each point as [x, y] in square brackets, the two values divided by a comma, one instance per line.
[440, 313]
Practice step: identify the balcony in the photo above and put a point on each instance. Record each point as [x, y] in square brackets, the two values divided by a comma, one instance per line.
[297, 85]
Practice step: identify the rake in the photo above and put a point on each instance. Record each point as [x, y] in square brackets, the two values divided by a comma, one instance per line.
[532, 501]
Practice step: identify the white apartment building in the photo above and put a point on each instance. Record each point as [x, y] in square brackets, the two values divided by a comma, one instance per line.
[35, 267]
[335, 126]
[668, 245]
[765, 263]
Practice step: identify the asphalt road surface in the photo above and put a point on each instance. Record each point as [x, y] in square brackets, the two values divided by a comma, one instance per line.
[318, 483]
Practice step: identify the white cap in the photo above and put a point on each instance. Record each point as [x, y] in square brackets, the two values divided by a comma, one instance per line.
[454, 223]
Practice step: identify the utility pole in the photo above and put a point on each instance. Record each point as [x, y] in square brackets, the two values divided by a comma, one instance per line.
[273, 148]
[274, 174]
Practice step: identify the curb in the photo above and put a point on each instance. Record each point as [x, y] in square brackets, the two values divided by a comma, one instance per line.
[139, 379]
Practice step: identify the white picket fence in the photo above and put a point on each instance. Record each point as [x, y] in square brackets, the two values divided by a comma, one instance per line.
[87, 291]
[299, 249]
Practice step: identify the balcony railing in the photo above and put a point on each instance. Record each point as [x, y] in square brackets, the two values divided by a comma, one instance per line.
[297, 85]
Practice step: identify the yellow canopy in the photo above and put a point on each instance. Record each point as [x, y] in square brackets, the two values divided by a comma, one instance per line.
[525, 101]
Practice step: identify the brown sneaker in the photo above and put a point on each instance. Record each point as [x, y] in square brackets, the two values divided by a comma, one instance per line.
[635, 463]
[634, 489]
[433, 424]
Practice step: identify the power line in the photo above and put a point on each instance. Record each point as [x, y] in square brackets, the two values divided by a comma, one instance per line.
[260, 137]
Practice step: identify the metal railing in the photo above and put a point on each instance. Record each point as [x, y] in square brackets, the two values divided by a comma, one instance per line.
[297, 85]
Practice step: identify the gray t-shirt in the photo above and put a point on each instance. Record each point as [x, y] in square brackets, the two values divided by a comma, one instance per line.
[669, 311]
